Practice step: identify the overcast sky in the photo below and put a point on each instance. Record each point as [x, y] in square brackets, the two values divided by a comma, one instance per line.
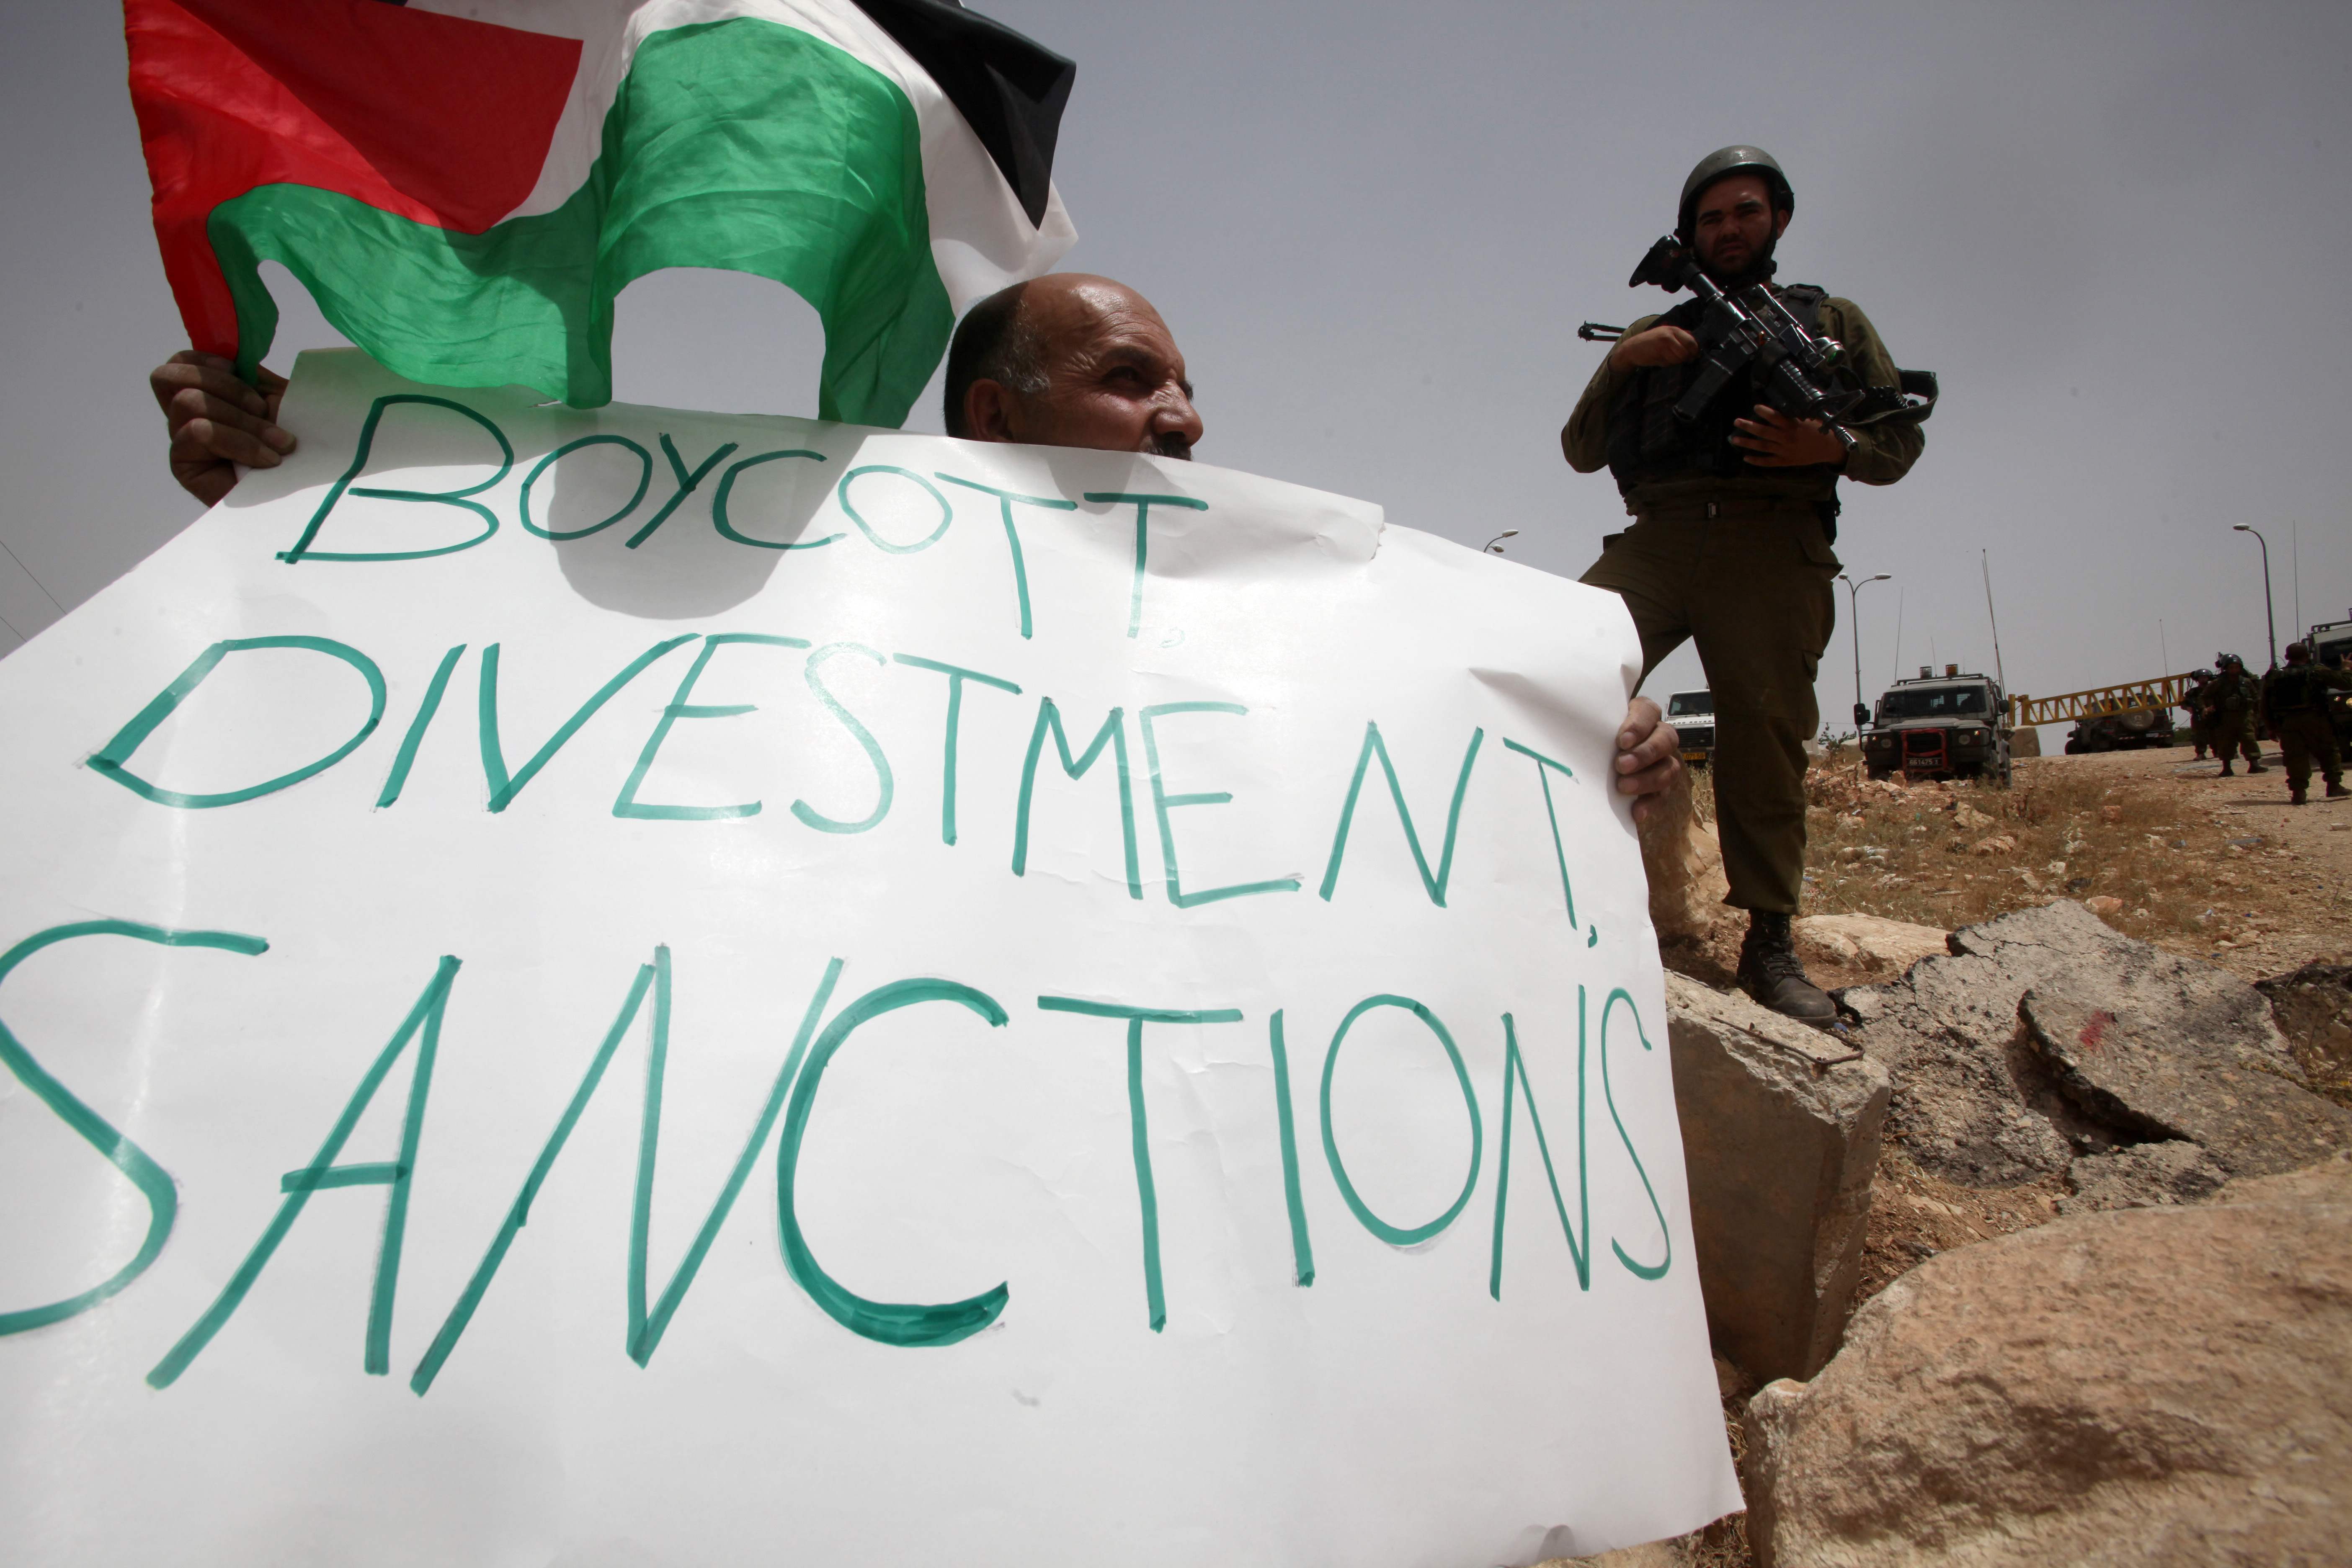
[2118, 232]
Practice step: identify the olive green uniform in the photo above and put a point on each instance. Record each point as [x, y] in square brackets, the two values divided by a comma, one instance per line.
[2201, 723]
[1741, 563]
[2237, 718]
[2294, 704]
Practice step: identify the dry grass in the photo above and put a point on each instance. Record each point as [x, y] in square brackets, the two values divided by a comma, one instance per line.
[1723, 1545]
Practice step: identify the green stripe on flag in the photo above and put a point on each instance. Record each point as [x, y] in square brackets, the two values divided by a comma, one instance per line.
[723, 149]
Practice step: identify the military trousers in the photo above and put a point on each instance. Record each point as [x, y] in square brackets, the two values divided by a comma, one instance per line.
[2233, 731]
[2306, 736]
[1751, 586]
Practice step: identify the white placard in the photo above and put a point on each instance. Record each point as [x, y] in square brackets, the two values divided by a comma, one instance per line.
[1007, 1020]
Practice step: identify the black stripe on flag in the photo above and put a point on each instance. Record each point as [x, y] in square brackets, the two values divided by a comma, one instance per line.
[1010, 90]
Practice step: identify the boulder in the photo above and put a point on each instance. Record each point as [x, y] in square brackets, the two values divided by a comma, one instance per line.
[2312, 1006]
[1965, 1105]
[2150, 1386]
[2142, 1175]
[1780, 1126]
[1684, 866]
[1698, 934]
[1976, 1102]
[1880, 949]
[2223, 1080]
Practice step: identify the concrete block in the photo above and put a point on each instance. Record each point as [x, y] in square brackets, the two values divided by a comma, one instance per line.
[1780, 1126]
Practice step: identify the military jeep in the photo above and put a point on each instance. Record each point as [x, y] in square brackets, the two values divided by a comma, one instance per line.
[1943, 726]
[2134, 729]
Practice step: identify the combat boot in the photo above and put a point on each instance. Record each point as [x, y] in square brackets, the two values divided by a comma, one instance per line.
[2225, 771]
[1770, 972]
[2338, 792]
[2253, 768]
[2294, 796]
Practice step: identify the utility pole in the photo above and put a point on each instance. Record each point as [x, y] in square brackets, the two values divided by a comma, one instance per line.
[2270, 616]
[1854, 616]
[1998, 674]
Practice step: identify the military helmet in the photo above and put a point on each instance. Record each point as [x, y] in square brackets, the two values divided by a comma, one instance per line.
[2230, 661]
[1726, 160]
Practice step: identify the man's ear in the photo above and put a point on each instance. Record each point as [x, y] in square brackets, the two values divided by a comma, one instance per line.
[1781, 216]
[990, 411]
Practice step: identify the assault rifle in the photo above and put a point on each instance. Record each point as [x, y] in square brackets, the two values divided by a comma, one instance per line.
[1798, 371]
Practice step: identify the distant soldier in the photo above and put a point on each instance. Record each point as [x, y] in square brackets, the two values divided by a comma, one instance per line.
[2193, 702]
[2294, 709]
[2237, 716]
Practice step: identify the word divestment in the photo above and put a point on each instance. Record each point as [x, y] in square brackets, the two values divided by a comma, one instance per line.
[1135, 919]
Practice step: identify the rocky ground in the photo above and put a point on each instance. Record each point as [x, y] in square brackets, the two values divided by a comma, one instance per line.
[2195, 863]
[2084, 1093]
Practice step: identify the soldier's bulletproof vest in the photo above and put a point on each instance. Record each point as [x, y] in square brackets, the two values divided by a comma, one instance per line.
[2295, 689]
[1647, 444]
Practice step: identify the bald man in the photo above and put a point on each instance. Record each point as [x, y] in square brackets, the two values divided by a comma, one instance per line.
[1071, 360]
[1065, 359]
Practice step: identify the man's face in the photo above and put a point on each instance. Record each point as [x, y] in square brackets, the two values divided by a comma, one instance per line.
[1114, 377]
[1735, 225]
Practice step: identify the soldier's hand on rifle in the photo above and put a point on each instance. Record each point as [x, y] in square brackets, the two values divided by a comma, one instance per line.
[216, 421]
[1658, 346]
[1774, 440]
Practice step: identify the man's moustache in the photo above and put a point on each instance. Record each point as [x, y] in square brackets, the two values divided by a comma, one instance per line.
[1168, 443]
[1754, 267]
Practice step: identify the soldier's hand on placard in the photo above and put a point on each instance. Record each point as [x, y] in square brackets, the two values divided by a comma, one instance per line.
[216, 421]
[1649, 756]
[1658, 346]
[1774, 440]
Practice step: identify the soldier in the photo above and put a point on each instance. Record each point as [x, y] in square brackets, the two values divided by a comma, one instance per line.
[1733, 518]
[2237, 716]
[2294, 709]
[2193, 704]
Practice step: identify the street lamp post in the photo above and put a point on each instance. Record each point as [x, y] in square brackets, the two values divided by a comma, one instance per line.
[1495, 545]
[1854, 616]
[2270, 618]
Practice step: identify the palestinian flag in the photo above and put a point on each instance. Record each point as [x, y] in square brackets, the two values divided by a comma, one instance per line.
[465, 185]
